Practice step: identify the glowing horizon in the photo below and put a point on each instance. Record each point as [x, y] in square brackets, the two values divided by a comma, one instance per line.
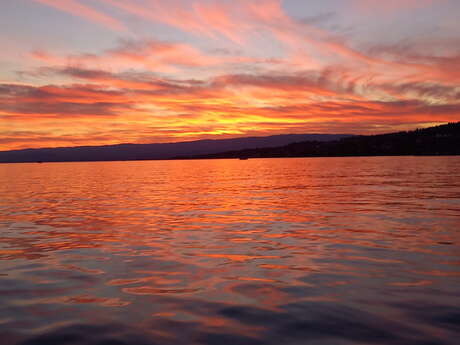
[99, 72]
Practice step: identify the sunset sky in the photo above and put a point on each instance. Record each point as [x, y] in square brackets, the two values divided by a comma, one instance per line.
[96, 72]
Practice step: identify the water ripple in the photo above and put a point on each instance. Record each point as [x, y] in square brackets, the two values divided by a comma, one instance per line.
[293, 251]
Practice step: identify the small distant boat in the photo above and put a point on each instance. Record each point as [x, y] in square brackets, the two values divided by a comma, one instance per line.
[39, 162]
[243, 158]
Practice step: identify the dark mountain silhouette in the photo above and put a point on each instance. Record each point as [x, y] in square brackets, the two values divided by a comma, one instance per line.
[439, 140]
[156, 151]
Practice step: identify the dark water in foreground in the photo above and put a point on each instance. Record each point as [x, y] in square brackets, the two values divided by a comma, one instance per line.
[283, 251]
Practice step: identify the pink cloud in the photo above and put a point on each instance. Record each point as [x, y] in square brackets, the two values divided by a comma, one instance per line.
[75, 8]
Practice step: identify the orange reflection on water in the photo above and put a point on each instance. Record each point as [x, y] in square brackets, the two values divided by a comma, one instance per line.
[197, 240]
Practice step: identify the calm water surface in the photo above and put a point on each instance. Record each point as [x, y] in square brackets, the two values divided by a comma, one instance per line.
[324, 251]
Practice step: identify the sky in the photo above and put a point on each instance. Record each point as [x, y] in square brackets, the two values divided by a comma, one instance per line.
[100, 72]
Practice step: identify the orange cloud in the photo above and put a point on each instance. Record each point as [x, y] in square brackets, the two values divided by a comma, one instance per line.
[139, 107]
[243, 22]
[150, 54]
[187, 16]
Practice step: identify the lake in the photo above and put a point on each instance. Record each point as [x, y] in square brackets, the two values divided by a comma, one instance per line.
[323, 251]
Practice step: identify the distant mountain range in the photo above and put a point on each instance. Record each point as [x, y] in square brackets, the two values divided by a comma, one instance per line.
[124, 152]
[439, 140]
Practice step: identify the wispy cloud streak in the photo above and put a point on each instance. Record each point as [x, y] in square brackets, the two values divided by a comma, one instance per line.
[76, 8]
